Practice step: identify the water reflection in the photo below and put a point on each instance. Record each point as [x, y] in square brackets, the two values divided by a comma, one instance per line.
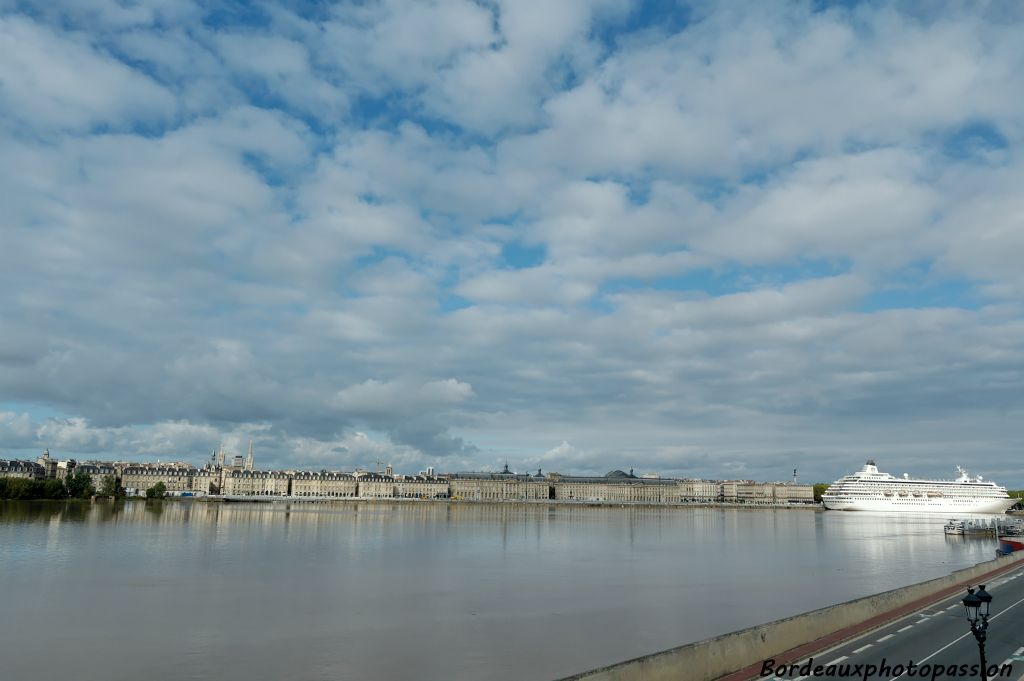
[421, 590]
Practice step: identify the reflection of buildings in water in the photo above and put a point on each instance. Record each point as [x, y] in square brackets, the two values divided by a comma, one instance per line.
[826, 542]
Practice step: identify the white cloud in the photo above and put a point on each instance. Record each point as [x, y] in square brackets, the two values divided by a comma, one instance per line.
[377, 397]
[50, 81]
[872, 207]
[454, 232]
[492, 89]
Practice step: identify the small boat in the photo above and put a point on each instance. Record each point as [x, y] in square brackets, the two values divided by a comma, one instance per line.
[969, 527]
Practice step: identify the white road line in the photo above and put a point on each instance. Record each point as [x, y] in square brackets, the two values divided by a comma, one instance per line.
[1007, 662]
[885, 638]
[836, 661]
[953, 606]
[909, 626]
[862, 648]
[957, 640]
[1019, 651]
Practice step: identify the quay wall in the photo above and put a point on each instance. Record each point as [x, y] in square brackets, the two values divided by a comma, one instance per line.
[781, 505]
[715, 657]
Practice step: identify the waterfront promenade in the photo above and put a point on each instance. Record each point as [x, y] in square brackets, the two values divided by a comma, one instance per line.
[933, 633]
[888, 636]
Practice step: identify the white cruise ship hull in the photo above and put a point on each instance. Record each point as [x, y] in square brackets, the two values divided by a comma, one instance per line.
[911, 505]
[871, 490]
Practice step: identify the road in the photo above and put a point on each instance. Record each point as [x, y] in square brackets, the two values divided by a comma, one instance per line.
[938, 635]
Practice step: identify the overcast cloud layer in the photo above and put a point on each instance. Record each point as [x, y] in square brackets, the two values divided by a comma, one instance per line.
[720, 240]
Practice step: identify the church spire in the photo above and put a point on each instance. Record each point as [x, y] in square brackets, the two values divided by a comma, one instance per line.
[248, 459]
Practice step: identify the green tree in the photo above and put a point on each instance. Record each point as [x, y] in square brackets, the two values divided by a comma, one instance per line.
[54, 489]
[110, 488]
[819, 489]
[157, 491]
[22, 488]
[80, 485]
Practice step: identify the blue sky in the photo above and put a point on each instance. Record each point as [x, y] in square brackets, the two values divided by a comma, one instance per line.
[707, 239]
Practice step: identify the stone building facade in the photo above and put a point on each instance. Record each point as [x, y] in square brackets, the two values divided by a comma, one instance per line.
[420, 487]
[247, 483]
[615, 487]
[239, 478]
[177, 478]
[96, 472]
[375, 485]
[324, 484]
[750, 492]
[694, 490]
[29, 470]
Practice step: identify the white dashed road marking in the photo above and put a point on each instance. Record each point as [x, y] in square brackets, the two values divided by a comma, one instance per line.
[836, 661]
[960, 638]
[885, 638]
[900, 631]
[862, 648]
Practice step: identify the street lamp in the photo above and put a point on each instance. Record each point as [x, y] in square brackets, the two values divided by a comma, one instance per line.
[977, 606]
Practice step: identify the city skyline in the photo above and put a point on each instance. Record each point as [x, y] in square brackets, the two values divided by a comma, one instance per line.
[699, 240]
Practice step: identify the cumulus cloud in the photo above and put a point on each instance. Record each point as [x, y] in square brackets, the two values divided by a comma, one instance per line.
[55, 80]
[728, 241]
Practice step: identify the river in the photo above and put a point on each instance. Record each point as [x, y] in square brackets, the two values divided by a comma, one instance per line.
[432, 591]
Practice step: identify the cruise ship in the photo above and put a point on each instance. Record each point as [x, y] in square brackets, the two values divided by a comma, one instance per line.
[870, 490]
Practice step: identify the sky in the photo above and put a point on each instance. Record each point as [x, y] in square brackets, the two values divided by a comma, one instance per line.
[719, 240]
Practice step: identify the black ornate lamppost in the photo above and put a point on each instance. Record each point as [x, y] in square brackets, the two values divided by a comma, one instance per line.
[977, 605]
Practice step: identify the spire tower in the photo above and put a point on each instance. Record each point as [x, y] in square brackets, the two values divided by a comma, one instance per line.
[248, 459]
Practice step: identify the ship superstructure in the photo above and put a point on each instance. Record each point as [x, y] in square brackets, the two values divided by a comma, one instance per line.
[871, 490]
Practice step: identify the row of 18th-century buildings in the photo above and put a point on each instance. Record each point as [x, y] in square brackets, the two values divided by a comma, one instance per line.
[238, 478]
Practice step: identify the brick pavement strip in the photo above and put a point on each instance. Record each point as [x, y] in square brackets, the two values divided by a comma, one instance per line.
[816, 646]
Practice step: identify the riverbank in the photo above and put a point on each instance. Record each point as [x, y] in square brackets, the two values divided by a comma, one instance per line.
[595, 503]
[738, 656]
[574, 503]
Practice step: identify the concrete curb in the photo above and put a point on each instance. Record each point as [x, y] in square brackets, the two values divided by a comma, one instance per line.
[737, 656]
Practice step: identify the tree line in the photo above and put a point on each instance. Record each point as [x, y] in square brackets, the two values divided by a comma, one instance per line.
[75, 486]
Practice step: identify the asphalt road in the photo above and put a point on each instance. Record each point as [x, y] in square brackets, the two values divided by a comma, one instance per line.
[938, 635]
